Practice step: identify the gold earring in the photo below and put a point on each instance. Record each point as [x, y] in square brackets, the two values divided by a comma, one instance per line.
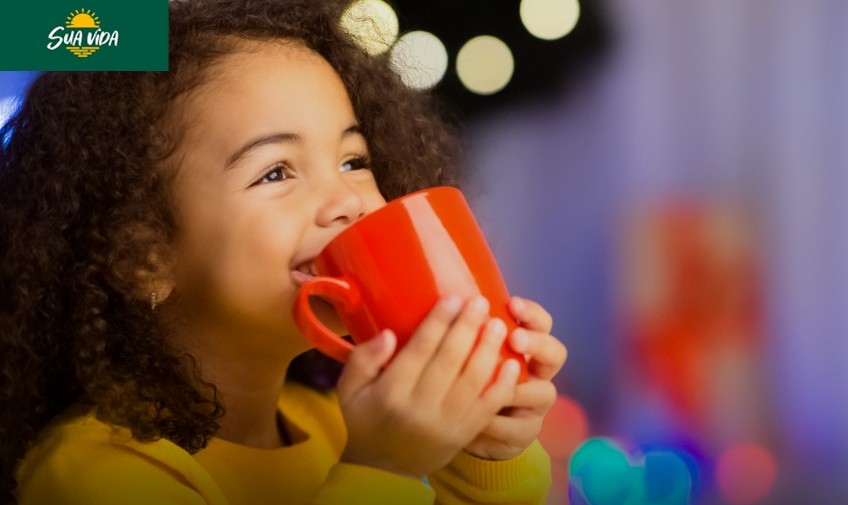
[153, 301]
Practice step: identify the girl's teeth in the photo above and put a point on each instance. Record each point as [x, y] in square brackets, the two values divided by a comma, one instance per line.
[307, 268]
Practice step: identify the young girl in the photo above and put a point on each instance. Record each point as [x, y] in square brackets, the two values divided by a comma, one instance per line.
[155, 227]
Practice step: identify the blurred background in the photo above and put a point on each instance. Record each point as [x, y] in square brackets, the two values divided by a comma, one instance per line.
[664, 177]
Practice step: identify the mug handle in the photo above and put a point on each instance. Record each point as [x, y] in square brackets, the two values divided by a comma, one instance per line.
[344, 295]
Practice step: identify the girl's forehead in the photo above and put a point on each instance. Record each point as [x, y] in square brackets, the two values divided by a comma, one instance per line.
[253, 67]
[283, 64]
[265, 87]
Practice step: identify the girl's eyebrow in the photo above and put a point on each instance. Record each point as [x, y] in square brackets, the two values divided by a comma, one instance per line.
[279, 138]
[255, 143]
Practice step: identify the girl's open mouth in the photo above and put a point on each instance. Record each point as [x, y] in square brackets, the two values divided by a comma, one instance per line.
[303, 272]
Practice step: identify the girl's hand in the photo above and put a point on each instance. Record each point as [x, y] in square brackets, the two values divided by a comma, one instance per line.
[412, 415]
[514, 429]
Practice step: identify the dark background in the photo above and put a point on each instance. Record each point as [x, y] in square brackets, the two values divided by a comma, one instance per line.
[542, 67]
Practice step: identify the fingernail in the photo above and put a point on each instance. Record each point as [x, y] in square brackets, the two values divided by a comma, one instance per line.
[517, 304]
[380, 341]
[452, 303]
[511, 369]
[479, 304]
[519, 339]
[498, 328]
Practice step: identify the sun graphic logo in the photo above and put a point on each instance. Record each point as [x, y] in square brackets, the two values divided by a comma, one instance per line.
[81, 35]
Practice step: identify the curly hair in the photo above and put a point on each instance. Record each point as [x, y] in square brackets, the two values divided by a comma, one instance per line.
[85, 201]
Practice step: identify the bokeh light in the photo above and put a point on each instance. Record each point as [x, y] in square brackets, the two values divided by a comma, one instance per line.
[558, 493]
[485, 65]
[699, 466]
[564, 428]
[668, 478]
[602, 473]
[549, 19]
[372, 23]
[420, 59]
[746, 473]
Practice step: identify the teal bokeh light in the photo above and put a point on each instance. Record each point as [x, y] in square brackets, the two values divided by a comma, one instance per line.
[602, 473]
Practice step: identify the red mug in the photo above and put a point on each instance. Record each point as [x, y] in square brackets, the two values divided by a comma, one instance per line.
[389, 269]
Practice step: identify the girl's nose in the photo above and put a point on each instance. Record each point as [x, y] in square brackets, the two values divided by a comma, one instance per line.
[341, 204]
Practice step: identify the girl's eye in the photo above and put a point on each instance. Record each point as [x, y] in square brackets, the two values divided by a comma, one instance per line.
[278, 173]
[355, 164]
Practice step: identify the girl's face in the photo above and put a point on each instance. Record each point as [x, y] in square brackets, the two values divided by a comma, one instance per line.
[272, 166]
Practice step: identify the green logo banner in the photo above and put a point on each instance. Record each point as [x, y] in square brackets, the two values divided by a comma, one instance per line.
[84, 35]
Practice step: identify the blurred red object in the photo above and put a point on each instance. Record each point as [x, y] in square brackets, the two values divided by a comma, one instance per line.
[691, 307]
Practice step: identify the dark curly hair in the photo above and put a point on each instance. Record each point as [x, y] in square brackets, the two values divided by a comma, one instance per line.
[85, 203]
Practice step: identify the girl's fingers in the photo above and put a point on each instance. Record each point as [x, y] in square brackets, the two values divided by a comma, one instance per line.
[531, 314]
[501, 392]
[546, 355]
[536, 396]
[481, 367]
[416, 354]
[514, 431]
[450, 358]
[365, 363]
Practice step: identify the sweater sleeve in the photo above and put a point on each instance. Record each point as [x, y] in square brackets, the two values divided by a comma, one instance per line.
[349, 484]
[524, 479]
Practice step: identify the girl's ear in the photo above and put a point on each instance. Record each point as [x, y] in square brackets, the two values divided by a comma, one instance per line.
[137, 274]
[154, 281]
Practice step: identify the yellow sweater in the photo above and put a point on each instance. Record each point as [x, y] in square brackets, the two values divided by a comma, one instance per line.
[80, 460]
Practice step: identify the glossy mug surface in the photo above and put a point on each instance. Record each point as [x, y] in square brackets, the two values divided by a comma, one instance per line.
[390, 268]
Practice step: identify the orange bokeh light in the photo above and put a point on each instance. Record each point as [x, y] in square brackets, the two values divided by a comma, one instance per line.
[564, 428]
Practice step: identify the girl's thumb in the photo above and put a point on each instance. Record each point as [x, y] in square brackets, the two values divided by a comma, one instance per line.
[365, 362]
